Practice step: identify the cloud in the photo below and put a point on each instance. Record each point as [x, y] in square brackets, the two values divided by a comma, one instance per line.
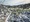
[15, 2]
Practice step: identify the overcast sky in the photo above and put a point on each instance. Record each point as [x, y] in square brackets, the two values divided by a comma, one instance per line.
[14, 2]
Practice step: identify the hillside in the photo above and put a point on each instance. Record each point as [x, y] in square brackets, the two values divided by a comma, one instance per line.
[5, 10]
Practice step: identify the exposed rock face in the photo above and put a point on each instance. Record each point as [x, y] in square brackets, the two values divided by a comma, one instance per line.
[6, 10]
[19, 18]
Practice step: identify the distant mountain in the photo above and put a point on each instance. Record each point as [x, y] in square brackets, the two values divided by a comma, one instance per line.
[18, 6]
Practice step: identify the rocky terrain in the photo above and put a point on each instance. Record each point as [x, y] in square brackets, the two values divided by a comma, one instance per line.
[6, 10]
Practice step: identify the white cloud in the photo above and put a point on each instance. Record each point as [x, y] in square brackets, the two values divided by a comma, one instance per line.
[15, 2]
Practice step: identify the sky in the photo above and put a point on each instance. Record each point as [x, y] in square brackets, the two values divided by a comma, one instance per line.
[1, 1]
[14, 2]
